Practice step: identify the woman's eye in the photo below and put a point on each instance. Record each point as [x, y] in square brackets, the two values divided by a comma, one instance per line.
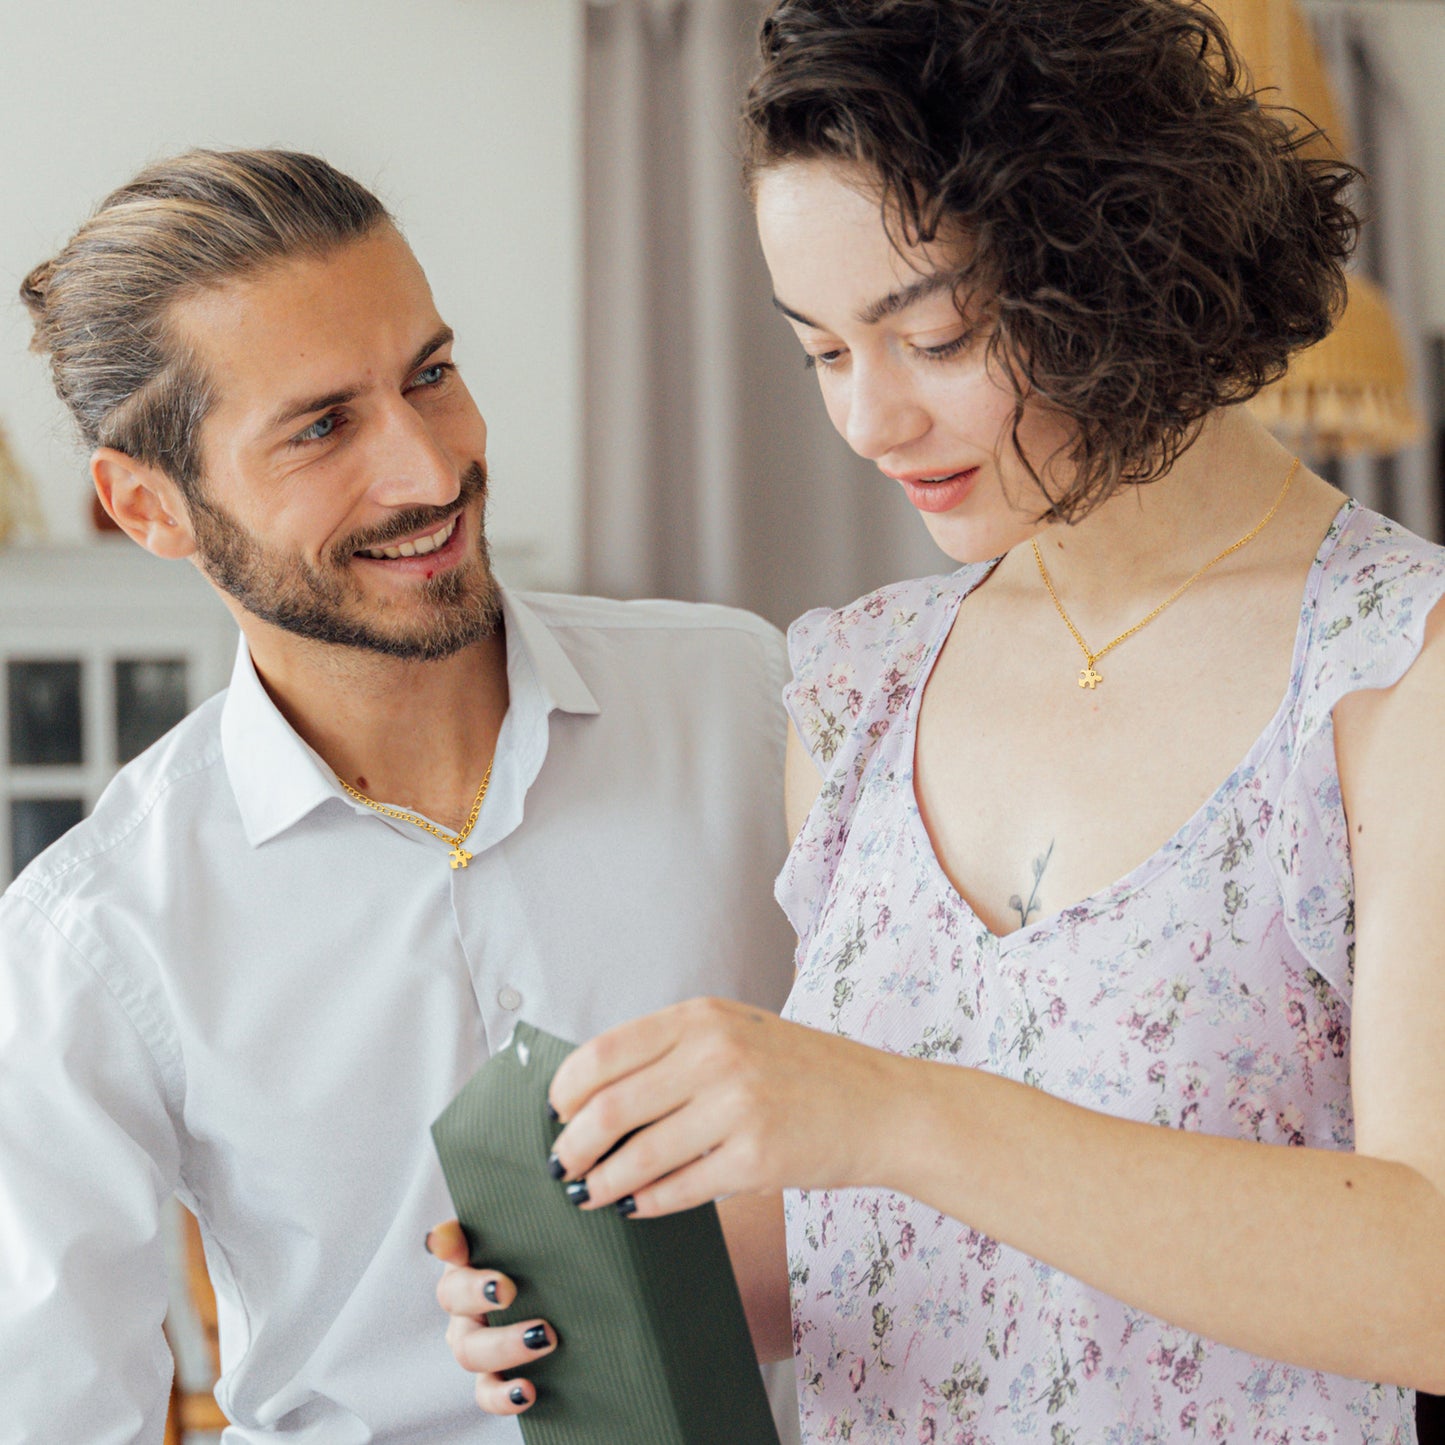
[946, 349]
[812, 361]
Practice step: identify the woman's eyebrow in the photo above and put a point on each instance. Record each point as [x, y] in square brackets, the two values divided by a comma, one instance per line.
[885, 306]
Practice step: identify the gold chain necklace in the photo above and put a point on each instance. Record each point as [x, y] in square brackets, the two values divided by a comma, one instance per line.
[1088, 677]
[460, 856]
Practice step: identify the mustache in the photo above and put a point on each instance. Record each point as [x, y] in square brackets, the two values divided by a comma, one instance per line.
[417, 519]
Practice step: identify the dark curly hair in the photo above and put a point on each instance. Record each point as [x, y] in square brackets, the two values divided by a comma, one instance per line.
[1151, 240]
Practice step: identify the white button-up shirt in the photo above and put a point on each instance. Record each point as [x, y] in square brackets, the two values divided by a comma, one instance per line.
[236, 984]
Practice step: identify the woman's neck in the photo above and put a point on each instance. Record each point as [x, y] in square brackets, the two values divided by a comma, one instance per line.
[1145, 540]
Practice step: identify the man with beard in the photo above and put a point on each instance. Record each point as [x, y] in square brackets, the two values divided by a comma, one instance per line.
[294, 928]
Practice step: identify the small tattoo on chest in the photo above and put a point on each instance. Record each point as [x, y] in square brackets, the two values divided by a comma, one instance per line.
[1026, 910]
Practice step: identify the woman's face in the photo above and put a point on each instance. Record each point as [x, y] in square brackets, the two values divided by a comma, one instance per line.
[903, 375]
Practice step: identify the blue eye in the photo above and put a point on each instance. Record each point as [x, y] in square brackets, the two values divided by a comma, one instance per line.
[433, 375]
[320, 429]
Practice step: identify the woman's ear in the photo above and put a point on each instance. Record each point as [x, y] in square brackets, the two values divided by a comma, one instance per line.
[143, 502]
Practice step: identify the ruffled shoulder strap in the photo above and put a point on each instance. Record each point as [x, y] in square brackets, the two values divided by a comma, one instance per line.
[854, 673]
[1366, 625]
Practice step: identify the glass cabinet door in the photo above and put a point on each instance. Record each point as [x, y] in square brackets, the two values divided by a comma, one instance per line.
[150, 699]
[70, 722]
[46, 716]
[35, 823]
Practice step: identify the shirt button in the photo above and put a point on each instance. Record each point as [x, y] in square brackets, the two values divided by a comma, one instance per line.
[509, 999]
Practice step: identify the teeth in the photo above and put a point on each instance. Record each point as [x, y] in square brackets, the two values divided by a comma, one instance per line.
[418, 548]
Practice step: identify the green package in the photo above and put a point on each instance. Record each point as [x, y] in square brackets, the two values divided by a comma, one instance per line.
[654, 1347]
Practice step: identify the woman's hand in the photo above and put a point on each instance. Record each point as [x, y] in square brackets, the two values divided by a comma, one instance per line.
[728, 1099]
[469, 1296]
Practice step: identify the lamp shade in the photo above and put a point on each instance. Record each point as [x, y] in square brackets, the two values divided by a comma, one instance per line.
[1352, 392]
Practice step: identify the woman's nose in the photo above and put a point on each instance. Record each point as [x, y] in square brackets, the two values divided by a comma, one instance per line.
[882, 411]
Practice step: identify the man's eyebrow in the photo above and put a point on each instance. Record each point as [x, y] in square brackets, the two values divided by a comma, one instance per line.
[294, 411]
[444, 337]
[885, 306]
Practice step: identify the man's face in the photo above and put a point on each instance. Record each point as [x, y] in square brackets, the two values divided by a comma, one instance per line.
[343, 460]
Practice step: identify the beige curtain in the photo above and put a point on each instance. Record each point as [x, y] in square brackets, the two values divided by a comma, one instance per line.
[712, 472]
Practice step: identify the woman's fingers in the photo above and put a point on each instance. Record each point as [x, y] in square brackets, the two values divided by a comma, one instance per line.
[613, 1055]
[485, 1351]
[668, 1145]
[448, 1243]
[505, 1397]
[488, 1353]
[474, 1293]
[469, 1296]
[703, 1180]
[651, 1094]
[785, 1106]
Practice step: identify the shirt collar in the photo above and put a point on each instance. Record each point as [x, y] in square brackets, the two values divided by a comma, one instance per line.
[278, 779]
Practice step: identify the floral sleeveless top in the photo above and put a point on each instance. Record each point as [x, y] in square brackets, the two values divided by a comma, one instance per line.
[1208, 990]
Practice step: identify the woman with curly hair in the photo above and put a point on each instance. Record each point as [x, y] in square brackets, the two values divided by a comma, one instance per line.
[1107, 1100]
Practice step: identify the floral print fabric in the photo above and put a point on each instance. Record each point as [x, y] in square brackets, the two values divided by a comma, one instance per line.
[1208, 990]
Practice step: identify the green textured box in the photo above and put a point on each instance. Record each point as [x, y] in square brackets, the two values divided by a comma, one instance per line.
[654, 1345]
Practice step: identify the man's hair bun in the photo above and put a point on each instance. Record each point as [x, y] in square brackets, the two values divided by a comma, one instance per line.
[33, 291]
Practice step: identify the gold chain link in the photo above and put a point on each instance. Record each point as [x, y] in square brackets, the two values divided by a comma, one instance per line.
[1091, 679]
[459, 856]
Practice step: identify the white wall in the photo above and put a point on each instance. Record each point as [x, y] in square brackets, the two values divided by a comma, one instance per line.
[1413, 43]
[1410, 35]
[462, 114]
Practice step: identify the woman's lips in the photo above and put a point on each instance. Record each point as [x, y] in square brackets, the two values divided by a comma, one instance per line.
[940, 496]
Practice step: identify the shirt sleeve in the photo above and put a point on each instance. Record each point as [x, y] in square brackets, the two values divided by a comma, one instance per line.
[88, 1157]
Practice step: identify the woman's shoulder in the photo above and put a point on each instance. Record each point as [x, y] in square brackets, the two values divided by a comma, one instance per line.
[879, 621]
[852, 665]
[1377, 586]
[1376, 555]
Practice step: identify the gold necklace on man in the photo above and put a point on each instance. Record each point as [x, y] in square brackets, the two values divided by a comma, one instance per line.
[1089, 677]
[459, 855]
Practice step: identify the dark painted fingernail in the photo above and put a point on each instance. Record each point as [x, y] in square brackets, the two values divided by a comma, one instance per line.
[490, 1290]
[552, 1114]
[518, 1395]
[578, 1192]
[626, 1206]
[427, 1240]
[536, 1338]
[555, 1167]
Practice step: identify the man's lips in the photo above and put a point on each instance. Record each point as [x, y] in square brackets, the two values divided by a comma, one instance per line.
[932, 492]
[418, 544]
[424, 553]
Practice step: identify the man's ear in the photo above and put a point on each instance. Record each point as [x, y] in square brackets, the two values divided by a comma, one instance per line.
[144, 503]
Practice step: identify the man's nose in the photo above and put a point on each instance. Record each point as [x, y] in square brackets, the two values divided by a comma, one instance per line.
[411, 466]
[883, 412]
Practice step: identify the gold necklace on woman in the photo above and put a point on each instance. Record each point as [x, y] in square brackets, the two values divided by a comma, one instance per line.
[1089, 677]
[459, 855]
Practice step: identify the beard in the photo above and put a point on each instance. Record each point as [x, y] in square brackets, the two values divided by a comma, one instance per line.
[324, 603]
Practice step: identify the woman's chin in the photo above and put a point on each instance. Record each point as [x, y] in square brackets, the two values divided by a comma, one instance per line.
[971, 540]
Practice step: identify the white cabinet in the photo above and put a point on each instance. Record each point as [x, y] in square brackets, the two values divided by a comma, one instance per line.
[103, 648]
